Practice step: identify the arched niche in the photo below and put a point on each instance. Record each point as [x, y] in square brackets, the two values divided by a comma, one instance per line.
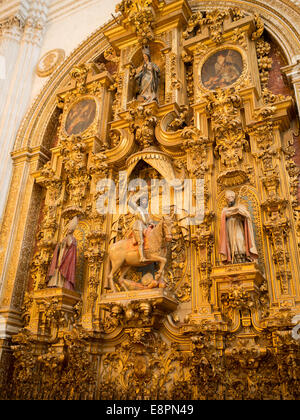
[247, 197]
[50, 136]
[157, 57]
[277, 83]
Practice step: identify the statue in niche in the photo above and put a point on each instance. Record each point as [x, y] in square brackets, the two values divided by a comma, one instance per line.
[142, 224]
[237, 243]
[147, 79]
[63, 265]
[142, 245]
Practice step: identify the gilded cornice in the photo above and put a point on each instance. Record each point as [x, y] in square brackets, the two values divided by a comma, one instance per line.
[38, 152]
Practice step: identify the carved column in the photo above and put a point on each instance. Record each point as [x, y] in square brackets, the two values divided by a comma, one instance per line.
[94, 255]
[98, 169]
[11, 31]
[28, 34]
[276, 171]
[13, 280]
[204, 242]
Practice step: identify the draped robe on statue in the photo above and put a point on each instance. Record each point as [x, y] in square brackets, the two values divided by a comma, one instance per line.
[236, 235]
[63, 264]
[148, 82]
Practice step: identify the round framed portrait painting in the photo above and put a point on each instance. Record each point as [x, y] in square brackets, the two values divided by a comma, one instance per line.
[222, 69]
[81, 116]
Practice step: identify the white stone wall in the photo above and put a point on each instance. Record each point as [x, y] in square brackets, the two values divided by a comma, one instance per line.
[69, 23]
[22, 26]
[29, 29]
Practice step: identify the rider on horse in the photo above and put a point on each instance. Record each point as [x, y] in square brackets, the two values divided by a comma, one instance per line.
[142, 223]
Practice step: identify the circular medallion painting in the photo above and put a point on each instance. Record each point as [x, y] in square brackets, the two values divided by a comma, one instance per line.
[80, 117]
[49, 62]
[222, 69]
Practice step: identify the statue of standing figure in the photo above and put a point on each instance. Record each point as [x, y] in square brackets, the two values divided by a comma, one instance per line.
[237, 243]
[142, 224]
[146, 242]
[147, 79]
[63, 265]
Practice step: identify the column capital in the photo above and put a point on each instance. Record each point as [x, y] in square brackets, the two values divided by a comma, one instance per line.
[12, 25]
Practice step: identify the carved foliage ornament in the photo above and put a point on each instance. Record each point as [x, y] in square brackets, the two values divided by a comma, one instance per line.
[141, 16]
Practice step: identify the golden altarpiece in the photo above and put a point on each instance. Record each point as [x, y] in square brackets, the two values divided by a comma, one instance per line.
[214, 327]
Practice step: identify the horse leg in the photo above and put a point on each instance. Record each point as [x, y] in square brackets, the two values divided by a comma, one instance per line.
[114, 268]
[162, 261]
[110, 282]
[123, 271]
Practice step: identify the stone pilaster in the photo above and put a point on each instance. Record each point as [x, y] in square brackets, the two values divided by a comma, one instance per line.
[20, 42]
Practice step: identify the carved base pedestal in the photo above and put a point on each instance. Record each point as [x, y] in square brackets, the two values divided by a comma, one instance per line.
[138, 308]
[248, 276]
[163, 298]
[48, 305]
[238, 294]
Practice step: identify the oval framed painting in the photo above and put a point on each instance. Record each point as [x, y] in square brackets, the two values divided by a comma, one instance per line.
[80, 117]
[222, 69]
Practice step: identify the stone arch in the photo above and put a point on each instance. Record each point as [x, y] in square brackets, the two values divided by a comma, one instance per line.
[279, 17]
[36, 120]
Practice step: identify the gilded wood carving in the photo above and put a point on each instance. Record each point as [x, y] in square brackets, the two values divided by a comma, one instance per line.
[172, 299]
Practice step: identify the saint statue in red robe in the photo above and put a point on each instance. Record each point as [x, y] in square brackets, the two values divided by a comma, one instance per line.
[237, 243]
[63, 265]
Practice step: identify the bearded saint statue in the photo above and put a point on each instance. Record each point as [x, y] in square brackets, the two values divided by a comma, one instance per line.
[237, 243]
[63, 265]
